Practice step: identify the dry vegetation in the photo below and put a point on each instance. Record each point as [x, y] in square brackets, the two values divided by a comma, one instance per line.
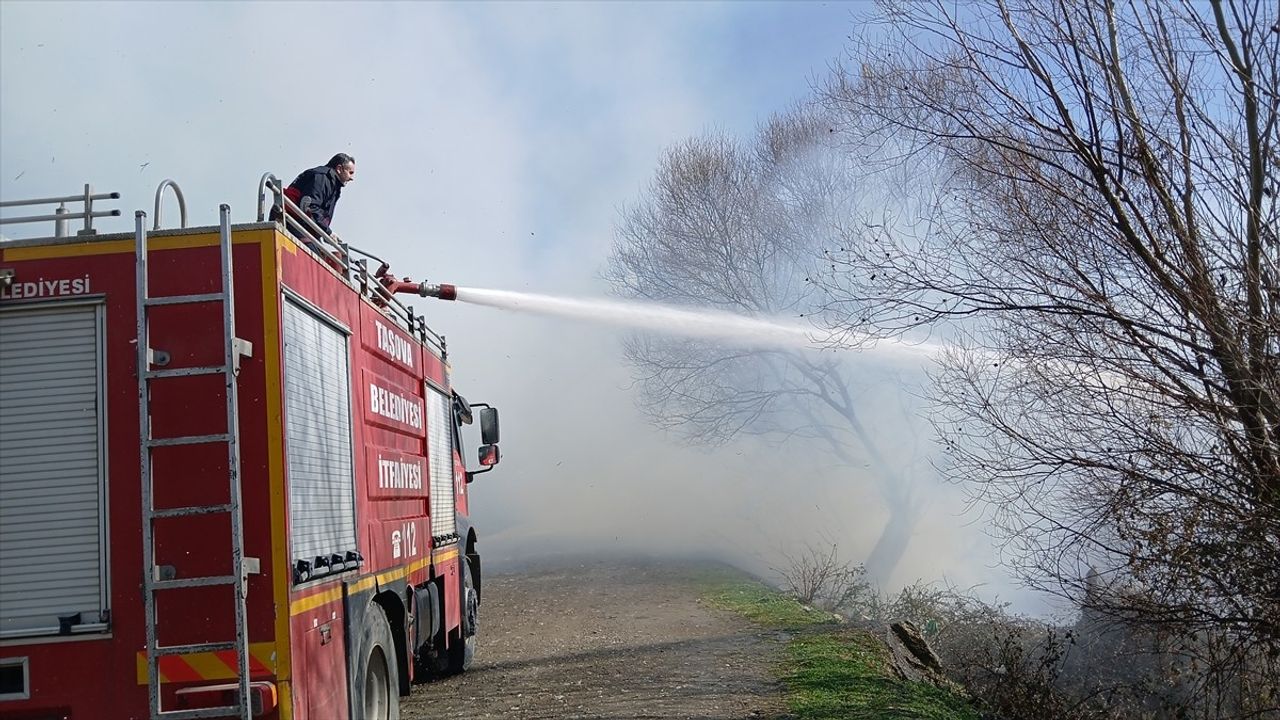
[1018, 668]
[1079, 199]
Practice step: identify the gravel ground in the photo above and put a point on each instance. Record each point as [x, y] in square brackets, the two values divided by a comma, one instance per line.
[607, 639]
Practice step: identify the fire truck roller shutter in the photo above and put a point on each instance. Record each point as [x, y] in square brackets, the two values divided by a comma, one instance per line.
[52, 473]
[317, 390]
[444, 517]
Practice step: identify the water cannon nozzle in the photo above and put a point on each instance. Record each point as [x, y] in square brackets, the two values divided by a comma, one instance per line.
[443, 291]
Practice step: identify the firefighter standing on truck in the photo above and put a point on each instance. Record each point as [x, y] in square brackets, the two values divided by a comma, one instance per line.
[316, 191]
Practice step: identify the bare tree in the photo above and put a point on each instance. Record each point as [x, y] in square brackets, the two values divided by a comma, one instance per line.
[738, 228]
[1100, 247]
[816, 575]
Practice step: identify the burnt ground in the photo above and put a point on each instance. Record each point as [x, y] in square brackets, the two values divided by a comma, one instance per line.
[607, 639]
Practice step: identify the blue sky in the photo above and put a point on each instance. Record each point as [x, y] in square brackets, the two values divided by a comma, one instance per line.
[495, 143]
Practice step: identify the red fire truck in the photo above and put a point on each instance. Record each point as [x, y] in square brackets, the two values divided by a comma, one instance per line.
[231, 474]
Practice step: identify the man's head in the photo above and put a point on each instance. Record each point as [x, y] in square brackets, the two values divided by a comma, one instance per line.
[345, 167]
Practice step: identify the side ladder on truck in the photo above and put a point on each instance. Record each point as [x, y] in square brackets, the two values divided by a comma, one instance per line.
[155, 580]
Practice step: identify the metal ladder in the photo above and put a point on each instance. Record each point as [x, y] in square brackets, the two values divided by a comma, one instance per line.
[154, 579]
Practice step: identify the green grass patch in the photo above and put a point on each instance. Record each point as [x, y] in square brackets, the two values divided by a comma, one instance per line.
[762, 604]
[844, 674]
[832, 671]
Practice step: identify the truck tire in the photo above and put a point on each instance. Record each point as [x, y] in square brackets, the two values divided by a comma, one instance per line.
[381, 673]
[461, 654]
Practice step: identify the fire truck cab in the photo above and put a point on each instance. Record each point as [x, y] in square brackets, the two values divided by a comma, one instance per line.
[232, 480]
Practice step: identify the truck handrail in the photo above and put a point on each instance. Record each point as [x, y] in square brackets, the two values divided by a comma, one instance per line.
[338, 255]
[262, 193]
[61, 215]
[182, 203]
[301, 226]
[371, 286]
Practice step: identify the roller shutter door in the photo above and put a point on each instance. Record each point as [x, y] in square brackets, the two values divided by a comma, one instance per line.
[317, 394]
[444, 518]
[52, 470]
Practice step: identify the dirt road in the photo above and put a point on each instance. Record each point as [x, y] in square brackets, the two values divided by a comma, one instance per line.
[607, 640]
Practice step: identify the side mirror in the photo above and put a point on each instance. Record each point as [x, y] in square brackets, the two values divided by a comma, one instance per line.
[489, 426]
[489, 454]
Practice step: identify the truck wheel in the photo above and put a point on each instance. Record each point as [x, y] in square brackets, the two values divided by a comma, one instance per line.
[381, 674]
[462, 653]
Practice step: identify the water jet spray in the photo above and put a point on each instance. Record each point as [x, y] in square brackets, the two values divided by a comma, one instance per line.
[707, 324]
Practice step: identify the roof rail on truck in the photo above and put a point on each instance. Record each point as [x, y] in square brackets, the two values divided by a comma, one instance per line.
[177, 193]
[61, 214]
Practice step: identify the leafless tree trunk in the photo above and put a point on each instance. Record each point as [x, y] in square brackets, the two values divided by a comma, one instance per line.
[1100, 248]
[738, 229]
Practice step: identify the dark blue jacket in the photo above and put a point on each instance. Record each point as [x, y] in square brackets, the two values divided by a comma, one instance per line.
[316, 191]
